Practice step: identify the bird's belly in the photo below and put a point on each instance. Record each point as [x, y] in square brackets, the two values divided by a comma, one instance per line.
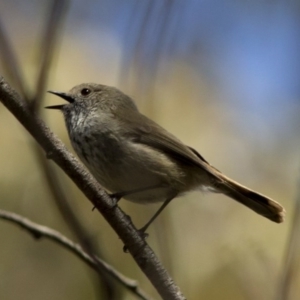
[130, 167]
[141, 183]
[152, 195]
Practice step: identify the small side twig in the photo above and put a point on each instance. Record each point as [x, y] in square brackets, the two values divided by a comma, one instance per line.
[39, 231]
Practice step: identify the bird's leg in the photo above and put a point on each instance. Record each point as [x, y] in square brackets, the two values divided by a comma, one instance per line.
[145, 227]
[142, 231]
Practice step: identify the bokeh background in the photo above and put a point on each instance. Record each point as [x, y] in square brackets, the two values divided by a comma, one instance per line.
[223, 76]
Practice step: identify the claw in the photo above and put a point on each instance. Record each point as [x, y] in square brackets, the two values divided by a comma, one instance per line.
[125, 249]
[142, 233]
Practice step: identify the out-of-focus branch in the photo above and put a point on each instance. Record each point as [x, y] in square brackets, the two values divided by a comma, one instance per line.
[48, 47]
[40, 231]
[10, 62]
[119, 221]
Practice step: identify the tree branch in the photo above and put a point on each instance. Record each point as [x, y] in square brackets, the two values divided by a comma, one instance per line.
[48, 46]
[119, 221]
[39, 231]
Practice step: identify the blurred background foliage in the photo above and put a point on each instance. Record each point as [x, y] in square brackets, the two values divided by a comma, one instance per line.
[223, 76]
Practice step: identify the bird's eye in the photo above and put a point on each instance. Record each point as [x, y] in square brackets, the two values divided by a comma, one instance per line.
[85, 92]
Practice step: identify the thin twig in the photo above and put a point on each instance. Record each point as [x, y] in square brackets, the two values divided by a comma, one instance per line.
[118, 220]
[39, 231]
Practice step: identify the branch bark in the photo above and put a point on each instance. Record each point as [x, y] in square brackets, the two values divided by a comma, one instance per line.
[119, 221]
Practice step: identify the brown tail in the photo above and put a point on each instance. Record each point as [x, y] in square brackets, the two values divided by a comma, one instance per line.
[255, 201]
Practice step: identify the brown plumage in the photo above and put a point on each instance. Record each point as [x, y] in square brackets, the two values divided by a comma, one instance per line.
[131, 155]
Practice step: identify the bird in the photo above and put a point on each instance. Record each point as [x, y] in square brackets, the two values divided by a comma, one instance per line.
[134, 158]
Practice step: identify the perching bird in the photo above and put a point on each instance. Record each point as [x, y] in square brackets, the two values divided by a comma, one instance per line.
[132, 156]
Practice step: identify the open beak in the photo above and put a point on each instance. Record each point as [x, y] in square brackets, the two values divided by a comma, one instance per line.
[65, 96]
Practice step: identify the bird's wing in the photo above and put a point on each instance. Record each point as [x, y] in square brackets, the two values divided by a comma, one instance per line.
[142, 130]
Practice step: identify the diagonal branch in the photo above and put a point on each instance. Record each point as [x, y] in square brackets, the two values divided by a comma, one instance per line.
[39, 231]
[118, 220]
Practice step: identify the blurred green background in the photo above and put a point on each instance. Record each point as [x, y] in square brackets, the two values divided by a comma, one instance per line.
[223, 76]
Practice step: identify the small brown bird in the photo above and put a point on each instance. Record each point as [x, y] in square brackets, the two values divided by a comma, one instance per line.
[135, 158]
